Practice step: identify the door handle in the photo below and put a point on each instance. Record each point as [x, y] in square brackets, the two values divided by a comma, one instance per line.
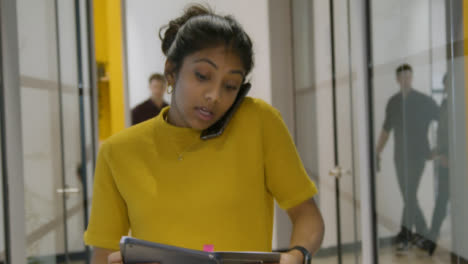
[68, 190]
[337, 172]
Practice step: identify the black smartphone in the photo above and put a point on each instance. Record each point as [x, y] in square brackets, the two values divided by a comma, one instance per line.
[217, 128]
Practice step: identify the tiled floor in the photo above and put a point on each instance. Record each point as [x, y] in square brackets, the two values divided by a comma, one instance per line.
[414, 255]
[389, 255]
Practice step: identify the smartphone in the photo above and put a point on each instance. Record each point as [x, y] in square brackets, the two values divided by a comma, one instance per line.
[217, 128]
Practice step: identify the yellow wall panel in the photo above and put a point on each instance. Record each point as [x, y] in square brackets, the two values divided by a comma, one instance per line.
[100, 29]
[115, 52]
[109, 56]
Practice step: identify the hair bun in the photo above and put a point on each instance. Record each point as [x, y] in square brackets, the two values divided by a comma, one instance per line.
[171, 29]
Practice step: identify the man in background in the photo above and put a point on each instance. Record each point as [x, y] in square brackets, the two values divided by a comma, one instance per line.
[151, 107]
[409, 114]
[441, 155]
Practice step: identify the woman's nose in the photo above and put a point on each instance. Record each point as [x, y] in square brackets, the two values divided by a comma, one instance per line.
[213, 93]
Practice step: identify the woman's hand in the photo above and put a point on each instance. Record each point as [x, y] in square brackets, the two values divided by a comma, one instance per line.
[114, 257]
[291, 257]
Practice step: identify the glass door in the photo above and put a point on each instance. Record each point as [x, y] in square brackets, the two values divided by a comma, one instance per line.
[56, 127]
[41, 115]
[344, 171]
[76, 126]
[325, 76]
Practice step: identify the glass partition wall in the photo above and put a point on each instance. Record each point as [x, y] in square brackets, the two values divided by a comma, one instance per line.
[389, 74]
[56, 128]
[419, 110]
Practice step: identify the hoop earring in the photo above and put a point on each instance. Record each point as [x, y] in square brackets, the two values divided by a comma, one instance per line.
[170, 89]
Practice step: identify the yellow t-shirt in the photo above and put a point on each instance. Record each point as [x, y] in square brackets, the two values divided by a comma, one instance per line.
[169, 186]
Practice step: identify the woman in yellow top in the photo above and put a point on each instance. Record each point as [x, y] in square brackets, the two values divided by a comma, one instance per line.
[166, 184]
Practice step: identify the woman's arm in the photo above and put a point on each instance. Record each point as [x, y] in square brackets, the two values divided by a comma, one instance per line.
[308, 231]
[106, 256]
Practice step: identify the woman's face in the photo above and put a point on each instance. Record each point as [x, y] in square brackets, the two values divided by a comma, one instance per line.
[205, 87]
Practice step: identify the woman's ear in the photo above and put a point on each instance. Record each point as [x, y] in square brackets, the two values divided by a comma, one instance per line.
[169, 72]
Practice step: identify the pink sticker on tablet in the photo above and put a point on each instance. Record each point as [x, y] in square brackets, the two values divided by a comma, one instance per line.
[208, 248]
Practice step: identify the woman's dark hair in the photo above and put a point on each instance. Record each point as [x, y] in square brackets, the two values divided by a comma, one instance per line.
[200, 28]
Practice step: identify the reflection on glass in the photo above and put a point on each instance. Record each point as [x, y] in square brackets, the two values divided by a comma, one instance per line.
[441, 156]
[408, 115]
[413, 126]
[51, 127]
[41, 130]
[71, 128]
[316, 124]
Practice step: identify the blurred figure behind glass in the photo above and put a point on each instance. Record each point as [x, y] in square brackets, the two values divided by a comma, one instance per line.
[441, 155]
[151, 107]
[409, 114]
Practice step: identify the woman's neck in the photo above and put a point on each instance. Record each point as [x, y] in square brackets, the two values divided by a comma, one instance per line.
[174, 117]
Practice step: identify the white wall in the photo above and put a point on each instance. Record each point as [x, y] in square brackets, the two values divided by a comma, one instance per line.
[144, 55]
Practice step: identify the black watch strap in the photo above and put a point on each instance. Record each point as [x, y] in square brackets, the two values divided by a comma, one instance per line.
[303, 250]
[305, 253]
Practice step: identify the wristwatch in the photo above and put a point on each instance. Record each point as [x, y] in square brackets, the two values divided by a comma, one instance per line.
[303, 250]
[305, 253]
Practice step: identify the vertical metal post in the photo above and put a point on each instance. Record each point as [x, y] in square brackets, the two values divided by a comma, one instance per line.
[11, 136]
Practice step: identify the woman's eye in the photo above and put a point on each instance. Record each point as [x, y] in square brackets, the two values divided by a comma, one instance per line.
[201, 77]
[231, 87]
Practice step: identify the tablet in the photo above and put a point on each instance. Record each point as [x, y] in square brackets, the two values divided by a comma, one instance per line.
[136, 251]
[245, 257]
